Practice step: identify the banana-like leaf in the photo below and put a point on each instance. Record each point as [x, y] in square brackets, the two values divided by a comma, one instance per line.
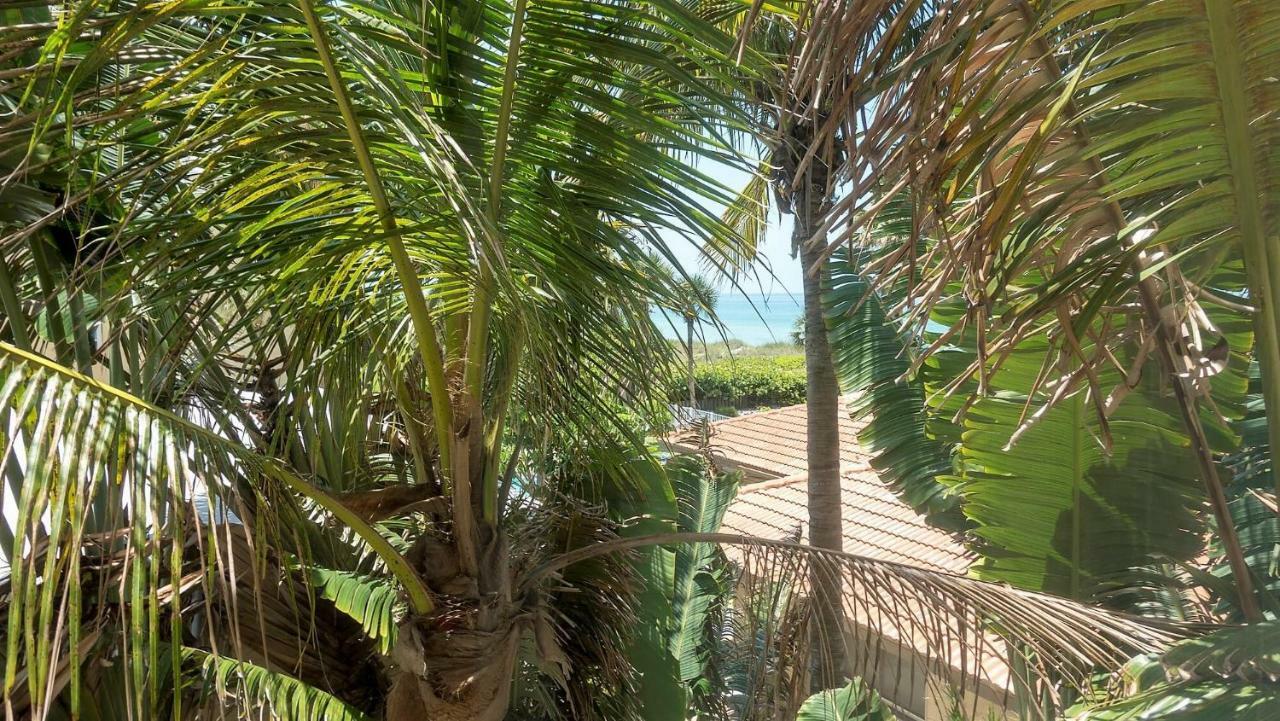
[872, 359]
[1054, 510]
[855, 702]
[702, 499]
[653, 507]
[1256, 520]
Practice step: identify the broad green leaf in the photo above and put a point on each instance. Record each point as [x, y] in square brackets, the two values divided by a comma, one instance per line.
[702, 499]
[855, 702]
[1054, 511]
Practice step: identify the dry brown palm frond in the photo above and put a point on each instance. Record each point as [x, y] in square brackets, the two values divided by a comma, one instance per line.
[984, 116]
[904, 622]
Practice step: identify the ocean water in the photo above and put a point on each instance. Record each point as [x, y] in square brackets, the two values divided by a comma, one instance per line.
[754, 319]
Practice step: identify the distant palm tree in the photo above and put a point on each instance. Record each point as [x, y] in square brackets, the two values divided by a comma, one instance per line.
[801, 185]
[700, 298]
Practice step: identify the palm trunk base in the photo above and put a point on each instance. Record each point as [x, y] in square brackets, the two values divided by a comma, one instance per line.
[448, 675]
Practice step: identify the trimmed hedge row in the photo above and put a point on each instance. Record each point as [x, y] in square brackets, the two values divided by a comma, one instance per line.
[746, 383]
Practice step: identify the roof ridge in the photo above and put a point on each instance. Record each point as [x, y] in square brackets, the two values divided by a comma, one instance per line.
[758, 414]
[772, 483]
[846, 471]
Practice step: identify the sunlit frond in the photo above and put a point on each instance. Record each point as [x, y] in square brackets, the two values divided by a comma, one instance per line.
[905, 621]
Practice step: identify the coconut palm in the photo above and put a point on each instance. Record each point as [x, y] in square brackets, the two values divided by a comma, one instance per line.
[312, 312]
[303, 218]
[786, 180]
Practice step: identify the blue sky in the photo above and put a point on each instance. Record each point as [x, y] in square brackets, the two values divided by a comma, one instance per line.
[776, 253]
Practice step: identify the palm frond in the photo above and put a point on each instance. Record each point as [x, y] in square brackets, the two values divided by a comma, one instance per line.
[252, 689]
[748, 217]
[1230, 674]
[372, 602]
[903, 618]
[100, 468]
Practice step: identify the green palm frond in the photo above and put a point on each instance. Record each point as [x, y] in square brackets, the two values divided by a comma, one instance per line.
[748, 217]
[100, 469]
[372, 602]
[253, 690]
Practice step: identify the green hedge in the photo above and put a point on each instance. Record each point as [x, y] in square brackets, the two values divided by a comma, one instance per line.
[746, 383]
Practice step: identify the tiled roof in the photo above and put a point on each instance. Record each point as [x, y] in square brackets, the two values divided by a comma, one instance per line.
[771, 443]
[876, 523]
[770, 448]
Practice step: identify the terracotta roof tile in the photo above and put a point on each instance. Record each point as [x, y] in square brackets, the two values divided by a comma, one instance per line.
[771, 443]
[877, 524]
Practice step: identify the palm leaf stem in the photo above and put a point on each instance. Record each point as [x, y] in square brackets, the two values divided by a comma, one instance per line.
[1262, 263]
[478, 328]
[415, 299]
[493, 439]
[413, 429]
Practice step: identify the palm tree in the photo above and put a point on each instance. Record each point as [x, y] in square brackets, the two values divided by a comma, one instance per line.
[785, 123]
[305, 302]
[700, 300]
[440, 212]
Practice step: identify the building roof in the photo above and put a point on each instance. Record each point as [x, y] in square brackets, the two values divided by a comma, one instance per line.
[875, 523]
[769, 444]
[769, 447]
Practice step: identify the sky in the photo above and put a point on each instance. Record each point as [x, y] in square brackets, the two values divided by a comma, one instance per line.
[779, 273]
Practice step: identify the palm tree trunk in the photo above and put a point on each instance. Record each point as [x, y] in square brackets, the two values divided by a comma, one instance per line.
[482, 692]
[823, 400]
[693, 390]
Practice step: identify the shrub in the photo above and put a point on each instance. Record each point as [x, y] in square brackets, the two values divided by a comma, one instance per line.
[747, 383]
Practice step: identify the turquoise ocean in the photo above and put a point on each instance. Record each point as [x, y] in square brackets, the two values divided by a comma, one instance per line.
[754, 319]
